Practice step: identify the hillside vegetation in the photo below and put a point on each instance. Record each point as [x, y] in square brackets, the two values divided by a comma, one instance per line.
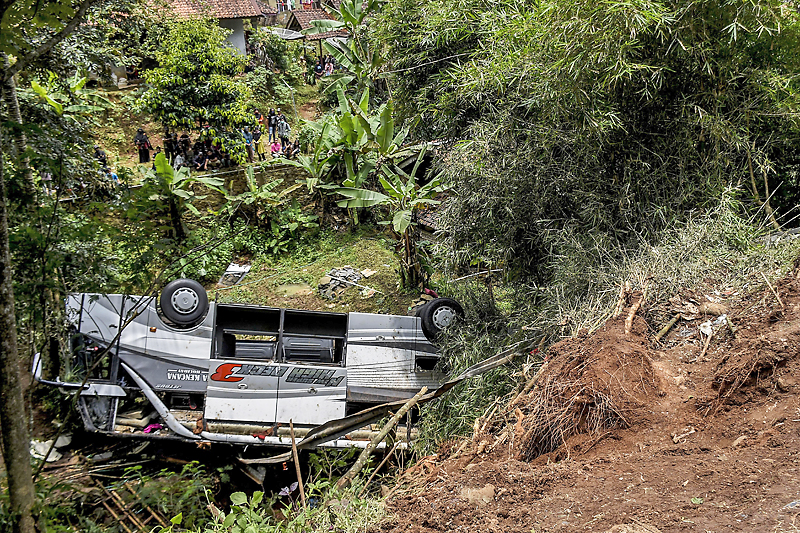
[614, 189]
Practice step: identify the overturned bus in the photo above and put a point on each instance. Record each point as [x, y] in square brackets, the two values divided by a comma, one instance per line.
[186, 368]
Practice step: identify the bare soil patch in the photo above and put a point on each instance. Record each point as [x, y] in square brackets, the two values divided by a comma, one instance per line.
[622, 431]
[310, 110]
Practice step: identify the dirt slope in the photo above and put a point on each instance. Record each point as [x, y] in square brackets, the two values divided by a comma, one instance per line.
[623, 434]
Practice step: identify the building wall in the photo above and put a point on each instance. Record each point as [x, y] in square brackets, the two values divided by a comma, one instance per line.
[237, 37]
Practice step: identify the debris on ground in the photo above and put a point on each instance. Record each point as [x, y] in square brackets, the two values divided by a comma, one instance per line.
[417, 304]
[40, 449]
[337, 281]
[234, 274]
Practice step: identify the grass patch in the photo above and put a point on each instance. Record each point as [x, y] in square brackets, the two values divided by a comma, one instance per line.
[363, 249]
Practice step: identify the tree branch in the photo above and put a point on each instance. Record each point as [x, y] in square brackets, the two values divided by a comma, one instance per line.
[46, 46]
[4, 6]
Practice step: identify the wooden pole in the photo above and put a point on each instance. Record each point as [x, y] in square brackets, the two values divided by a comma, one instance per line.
[297, 465]
[346, 479]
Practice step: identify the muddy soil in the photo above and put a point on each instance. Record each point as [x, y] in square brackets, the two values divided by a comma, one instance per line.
[652, 436]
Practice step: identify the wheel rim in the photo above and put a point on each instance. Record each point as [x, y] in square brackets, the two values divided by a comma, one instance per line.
[185, 301]
[443, 317]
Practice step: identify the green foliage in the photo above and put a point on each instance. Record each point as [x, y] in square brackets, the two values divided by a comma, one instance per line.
[484, 329]
[720, 245]
[60, 507]
[360, 60]
[267, 88]
[174, 191]
[403, 196]
[607, 120]
[195, 83]
[255, 515]
[34, 17]
[72, 99]
[260, 203]
[327, 465]
[185, 493]
[208, 266]
[277, 68]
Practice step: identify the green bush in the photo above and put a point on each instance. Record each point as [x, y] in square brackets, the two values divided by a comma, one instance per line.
[209, 250]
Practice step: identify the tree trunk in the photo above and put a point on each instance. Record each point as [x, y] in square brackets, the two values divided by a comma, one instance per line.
[16, 453]
[409, 262]
[175, 218]
[20, 141]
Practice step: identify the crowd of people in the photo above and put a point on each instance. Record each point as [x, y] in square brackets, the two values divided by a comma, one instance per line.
[324, 66]
[202, 154]
[270, 138]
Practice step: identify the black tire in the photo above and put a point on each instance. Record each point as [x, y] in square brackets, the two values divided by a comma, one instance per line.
[437, 315]
[184, 302]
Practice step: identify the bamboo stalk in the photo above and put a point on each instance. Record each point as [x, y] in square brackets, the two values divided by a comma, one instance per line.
[773, 290]
[385, 459]
[115, 515]
[666, 328]
[620, 300]
[123, 507]
[634, 308]
[297, 465]
[346, 479]
[161, 520]
[705, 347]
[528, 386]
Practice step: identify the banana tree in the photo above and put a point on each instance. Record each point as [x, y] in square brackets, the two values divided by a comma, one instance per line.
[173, 188]
[353, 54]
[259, 201]
[351, 145]
[403, 195]
[318, 165]
[76, 103]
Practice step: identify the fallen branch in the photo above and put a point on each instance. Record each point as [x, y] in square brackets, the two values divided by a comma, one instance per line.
[634, 308]
[346, 479]
[773, 290]
[385, 459]
[297, 465]
[705, 346]
[528, 386]
[666, 328]
[160, 519]
[677, 438]
[477, 274]
[357, 285]
[483, 421]
[731, 326]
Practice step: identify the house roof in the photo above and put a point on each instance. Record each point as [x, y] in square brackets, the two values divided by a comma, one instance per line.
[266, 9]
[428, 216]
[301, 20]
[305, 16]
[219, 9]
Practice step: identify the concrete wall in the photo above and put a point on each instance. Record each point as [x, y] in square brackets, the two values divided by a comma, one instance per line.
[237, 37]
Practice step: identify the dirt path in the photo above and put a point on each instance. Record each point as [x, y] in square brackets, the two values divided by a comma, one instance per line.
[309, 110]
[662, 440]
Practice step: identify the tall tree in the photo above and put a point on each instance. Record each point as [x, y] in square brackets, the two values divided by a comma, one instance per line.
[195, 83]
[29, 30]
